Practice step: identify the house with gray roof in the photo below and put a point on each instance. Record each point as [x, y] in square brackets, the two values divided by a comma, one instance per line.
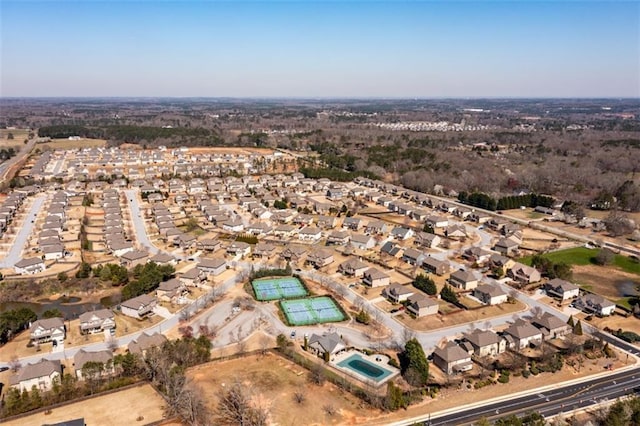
[48, 330]
[83, 357]
[139, 307]
[452, 358]
[145, 342]
[373, 277]
[41, 374]
[330, 344]
[421, 305]
[463, 280]
[486, 342]
[97, 321]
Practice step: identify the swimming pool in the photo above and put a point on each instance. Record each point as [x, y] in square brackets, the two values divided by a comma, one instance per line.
[356, 363]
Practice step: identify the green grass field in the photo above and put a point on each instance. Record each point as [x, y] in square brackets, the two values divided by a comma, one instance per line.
[585, 256]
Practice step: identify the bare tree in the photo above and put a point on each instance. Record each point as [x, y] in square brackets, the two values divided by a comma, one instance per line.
[236, 407]
[15, 364]
[299, 396]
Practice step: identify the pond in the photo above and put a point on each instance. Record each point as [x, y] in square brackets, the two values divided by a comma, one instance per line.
[69, 306]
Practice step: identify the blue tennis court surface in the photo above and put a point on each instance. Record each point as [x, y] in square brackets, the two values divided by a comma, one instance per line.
[311, 311]
[278, 288]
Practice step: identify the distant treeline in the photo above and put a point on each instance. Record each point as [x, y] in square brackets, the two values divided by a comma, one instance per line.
[128, 133]
[631, 143]
[484, 201]
[335, 174]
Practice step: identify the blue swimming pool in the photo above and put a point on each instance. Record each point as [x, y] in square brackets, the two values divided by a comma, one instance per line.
[363, 367]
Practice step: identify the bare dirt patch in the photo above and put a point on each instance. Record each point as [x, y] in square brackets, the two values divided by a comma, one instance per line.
[275, 380]
[119, 408]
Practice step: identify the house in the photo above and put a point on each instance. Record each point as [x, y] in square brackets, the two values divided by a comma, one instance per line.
[171, 290]
[319, 258]
[353, 223]
[193, 277]
[208, 244]
[497, 223]
[293, 253]
[524, 274]
[456, 232]
[104, 357]
[463, 280]
[310, 233]
[145, 342]
[507, 246]
[375, 278]
[138, 307]
[326, 346]
[97, 321]
[564, 290]
[476, 255]
[212, 266]
[285, 231]
[480, 217]
[52, 251]
[239, 248]
[436, 266]
[486, 342]
[48, 330]
[29, 265]
[163, 259]
[41, 374]
[551, 326]
[452, 358]
[437, 221]
[401, 233]
[421, 305]
[263, 250]
[353, 268]
[490, 294]
[427, 240]
[391, 249]
[340, 238]
[362, 241]
[397, 293]
[521, 334]
[499, 262]
[233, 225]
[413, 256]
[133, 258]
[377, 227]
[594, 304]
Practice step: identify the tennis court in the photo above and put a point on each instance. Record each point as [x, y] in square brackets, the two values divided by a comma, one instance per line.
[315, 310]
[278, 288]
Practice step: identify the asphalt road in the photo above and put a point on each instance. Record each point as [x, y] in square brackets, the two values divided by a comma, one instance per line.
[561, 399]
[14, 254]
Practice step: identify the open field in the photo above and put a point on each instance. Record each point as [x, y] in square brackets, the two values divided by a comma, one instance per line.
[585, 256]
[19, 135]
[273, 381]
[72, 144]
[119, 408]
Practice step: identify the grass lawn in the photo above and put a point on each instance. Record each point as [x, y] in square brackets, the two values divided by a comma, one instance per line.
[72, 144]
[585, 256]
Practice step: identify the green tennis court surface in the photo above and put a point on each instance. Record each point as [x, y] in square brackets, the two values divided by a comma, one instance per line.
[311, 311]
[278, 288]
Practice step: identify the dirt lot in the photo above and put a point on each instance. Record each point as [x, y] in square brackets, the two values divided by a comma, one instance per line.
[119, 408]
[609, 282]
[433, 322]
[69, 144]
[273, 381]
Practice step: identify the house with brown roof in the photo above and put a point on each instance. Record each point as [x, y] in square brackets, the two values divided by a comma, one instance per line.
[463, 280]
[362, 241]
[477, 255]
[561, 289]
[427, 240]
[263, 250]
[337, 237]
[507, 246]
[239, 248]
[522, 333]
[83, 357]
[212, 265]
[171, 290]
[194, 277]
[145, 342]
[436, 266]
[41, 374]
[133, 258]
[29, 265]
[330, 344]
[421, 305]
[452, 358]
[486, 342]
[524, 274]
[48, 330]
[595, 304]
[397, 293]
[208, 244]
[97, 321]
[293, 253]
[319, 258]
[490, 294]
[353, 267]
[375, 278]
[138, 307]
[551, 326]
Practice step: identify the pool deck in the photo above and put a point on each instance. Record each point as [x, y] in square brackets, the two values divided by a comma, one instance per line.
[379, 360]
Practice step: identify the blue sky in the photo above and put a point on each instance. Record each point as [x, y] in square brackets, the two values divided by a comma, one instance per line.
[324, 49]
